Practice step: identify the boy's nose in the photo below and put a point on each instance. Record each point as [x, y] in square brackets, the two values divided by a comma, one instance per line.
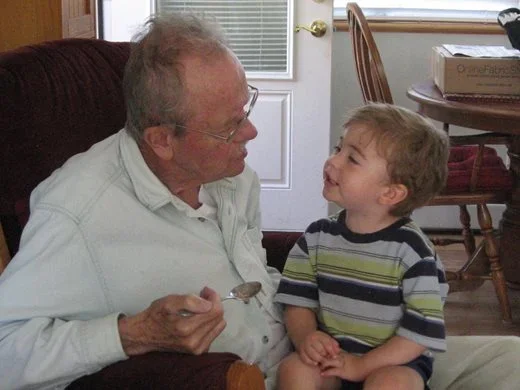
[329, 166]
[333, 160]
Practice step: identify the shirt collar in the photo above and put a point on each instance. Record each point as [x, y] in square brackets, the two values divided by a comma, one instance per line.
[148, 188]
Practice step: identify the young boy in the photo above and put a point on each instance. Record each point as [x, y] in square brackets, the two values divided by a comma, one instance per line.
[364, 290]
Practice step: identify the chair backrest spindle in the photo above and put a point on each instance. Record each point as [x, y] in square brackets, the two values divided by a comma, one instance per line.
[369, 67]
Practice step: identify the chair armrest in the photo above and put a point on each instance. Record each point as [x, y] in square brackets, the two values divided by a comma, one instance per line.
[244, 376]
[163, 370]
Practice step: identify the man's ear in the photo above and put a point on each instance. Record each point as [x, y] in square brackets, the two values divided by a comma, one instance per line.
[393, 194]
[160, 140]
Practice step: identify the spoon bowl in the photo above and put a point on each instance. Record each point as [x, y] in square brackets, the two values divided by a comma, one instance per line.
[243, 292]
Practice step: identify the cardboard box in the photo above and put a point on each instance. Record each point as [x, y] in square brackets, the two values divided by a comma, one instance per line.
[475, 75]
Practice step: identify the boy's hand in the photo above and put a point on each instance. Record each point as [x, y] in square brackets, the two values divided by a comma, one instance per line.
[317, 347]
[345, 366]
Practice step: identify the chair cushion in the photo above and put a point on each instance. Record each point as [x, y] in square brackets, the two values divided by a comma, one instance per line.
[21, 208]
[493, 174]
[13, 224]
[57, 99]
[277, 246]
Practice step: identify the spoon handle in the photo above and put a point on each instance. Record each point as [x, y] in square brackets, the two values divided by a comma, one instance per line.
[187, 313]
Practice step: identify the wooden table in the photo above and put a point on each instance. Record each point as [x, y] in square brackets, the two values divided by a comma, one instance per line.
[496, 117]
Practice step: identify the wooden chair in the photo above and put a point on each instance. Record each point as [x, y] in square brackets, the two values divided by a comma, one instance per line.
[477, 176]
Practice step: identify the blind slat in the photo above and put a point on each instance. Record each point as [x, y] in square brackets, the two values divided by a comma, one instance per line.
[256, 30]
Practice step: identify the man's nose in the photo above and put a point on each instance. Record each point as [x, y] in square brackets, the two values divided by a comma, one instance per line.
[248, 131]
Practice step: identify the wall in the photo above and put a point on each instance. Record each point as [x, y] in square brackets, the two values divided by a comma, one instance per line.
[406, 58]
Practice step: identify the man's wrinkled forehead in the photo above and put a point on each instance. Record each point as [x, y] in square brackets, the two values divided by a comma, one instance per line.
[212, 77]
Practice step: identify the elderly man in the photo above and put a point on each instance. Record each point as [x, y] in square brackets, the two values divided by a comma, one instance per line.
[126, 235]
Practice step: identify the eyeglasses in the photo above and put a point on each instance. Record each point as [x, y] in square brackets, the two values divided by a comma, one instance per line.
[248, 107]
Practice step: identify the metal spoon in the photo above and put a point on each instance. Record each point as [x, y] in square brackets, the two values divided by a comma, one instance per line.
[243, 292]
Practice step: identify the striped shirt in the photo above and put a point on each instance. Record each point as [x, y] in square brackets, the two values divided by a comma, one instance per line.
[367, 288]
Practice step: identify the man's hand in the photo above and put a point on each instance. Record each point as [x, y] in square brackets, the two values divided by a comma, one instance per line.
[316, 347]
[160, 328]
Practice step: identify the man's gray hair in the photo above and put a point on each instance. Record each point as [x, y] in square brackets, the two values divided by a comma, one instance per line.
[153, 84]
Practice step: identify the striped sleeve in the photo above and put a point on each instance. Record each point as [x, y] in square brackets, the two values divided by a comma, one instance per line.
[298, 286]
[423, 295]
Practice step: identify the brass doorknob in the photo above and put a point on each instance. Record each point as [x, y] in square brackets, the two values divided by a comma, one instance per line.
[318, 28]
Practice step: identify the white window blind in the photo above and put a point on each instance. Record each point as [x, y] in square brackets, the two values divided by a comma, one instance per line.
[256, 29]
[451, 10]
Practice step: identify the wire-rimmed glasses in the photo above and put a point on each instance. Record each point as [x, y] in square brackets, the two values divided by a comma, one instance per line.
[248, 107]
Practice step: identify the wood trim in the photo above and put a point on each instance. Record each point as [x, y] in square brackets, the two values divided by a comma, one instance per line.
[427, 27]
[5, 257]
[28, 21]
[242, 375]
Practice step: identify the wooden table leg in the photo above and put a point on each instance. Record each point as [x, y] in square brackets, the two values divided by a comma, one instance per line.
[510, 224]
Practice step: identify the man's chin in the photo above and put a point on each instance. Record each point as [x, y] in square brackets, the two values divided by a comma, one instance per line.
[236, 170]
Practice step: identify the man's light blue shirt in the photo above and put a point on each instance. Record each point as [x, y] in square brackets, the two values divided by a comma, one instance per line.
[106, 237]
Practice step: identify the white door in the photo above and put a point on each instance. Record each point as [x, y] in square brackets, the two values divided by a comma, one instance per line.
[292, 113]
[293, 121]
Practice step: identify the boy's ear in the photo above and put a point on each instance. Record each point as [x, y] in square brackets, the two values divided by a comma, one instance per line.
[160, 140]
[393, 194]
